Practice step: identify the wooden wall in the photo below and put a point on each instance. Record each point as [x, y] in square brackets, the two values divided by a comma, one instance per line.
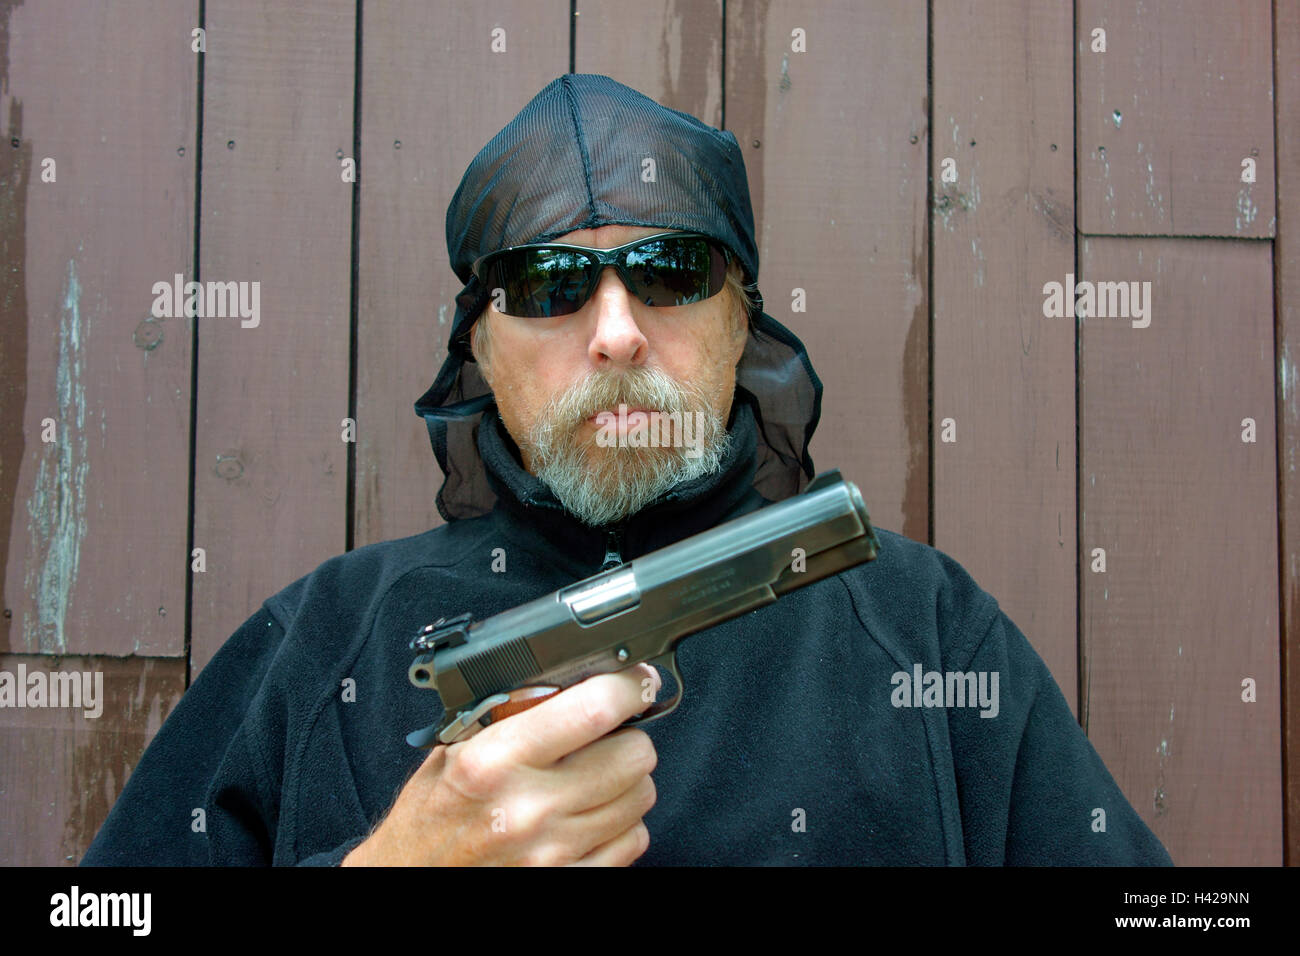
[919, 174]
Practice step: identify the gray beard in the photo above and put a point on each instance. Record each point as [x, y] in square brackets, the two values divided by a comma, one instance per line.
[618, 481]
[627, 480]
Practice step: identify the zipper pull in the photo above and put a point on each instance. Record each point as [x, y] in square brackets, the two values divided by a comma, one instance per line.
[613, 548]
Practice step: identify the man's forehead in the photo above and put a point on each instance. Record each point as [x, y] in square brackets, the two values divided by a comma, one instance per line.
[607, 237]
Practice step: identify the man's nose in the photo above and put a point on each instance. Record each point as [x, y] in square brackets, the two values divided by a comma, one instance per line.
[617, 338]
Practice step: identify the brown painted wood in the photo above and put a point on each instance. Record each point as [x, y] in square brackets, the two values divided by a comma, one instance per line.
[1004, 490]
[1286, 264]
[93, 524]
[834, 142]
[442, 109]
[670, 52]
[60, 769]
[1184, 509]
[1186, 512]
[271, 465]
[1166, 115]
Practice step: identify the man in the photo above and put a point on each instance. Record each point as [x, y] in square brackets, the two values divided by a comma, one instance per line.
[793, 743]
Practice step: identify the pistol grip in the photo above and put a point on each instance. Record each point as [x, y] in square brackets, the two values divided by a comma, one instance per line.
[527, 697]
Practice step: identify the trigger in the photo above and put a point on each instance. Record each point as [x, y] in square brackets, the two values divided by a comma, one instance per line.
[659, 709]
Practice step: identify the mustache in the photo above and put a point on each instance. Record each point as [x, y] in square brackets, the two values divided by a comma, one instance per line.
[636, 388]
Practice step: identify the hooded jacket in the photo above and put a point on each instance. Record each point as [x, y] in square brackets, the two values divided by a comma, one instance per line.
[809, 732]
[792, 744]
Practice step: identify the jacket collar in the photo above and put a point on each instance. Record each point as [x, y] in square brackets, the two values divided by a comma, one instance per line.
[528, 513]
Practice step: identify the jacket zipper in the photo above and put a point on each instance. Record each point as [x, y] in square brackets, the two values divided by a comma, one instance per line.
[613, 548]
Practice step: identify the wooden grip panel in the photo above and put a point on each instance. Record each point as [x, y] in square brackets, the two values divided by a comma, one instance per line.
[521, 700]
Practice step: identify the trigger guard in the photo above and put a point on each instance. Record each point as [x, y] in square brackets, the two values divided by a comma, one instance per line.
[661, 708]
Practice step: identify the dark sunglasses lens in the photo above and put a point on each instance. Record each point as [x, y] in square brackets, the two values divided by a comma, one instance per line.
[539, 283]
[545, 283]
[670, 272]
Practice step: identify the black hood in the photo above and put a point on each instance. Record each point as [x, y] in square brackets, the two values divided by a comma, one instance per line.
[573, 159]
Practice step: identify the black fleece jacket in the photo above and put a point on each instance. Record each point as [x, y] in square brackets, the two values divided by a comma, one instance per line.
[792, 744]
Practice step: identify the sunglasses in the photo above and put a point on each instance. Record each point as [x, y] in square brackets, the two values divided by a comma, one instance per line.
[551, 279]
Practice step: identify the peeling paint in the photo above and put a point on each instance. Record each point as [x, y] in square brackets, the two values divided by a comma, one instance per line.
[139, 694]
[1286, 372]
[1161, 802]
[1100, 154]
[978, 256]
[57, 505]
[1151, 186]
[946, 204]
[1246, 208]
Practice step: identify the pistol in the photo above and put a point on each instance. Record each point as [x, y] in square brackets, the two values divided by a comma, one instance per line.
[638, 611]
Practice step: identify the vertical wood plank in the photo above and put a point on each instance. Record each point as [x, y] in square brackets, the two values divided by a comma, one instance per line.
[1004, 489]
[1168, 112]
[1286, 264]
[676, 61]
[271, 464]
[834, 141]
[96, 205]
[1186, 513]
[441, 109]
[61, 770]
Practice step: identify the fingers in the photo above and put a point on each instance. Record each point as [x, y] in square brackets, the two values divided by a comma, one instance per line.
[560, 780]
[525, 696]
[604, 823]
[574, 717]
[623, 850]
[609, 768]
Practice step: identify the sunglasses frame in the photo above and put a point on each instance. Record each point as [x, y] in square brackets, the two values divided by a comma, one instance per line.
[616, 257]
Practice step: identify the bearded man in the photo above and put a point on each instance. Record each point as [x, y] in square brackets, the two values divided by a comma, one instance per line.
[598, 303]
